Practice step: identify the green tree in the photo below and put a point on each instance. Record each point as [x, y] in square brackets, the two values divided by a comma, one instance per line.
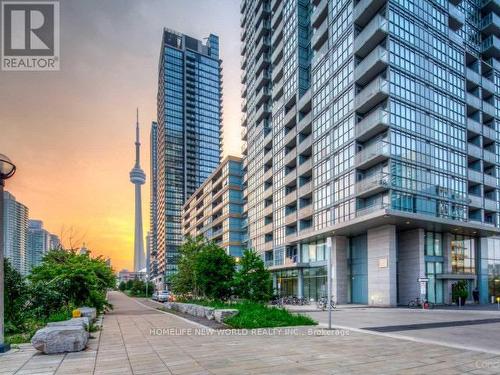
[122, 286]
[184, 281]
[65, 278]
[253, 281]
[214, 271]
[15, 297]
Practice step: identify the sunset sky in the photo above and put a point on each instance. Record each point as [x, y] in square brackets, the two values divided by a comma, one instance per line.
[71, 132]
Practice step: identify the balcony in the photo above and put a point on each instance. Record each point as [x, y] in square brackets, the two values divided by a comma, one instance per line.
[475, 201]
[268, 157]
[372, 155]
[304, 122]
[262, 63]
[318, 55]
[291, 198]
[263, 96]
[474, 151]
[372, 185]
[491, 6]
[244, 134]
[489, 133]
[488, 85]
[473, 101]
[376, 122]
[277, 90]
[490, 181]
[268, 228]
[490, 24]
[268, 193]
[305, 145]
[290, 158]
[491, 47]
[268, 245]
[277, 35]
[473, 76]
[371, 36]
[277, 15]
[263, 112]
[365, 10]
[474, 126]
[456, 17]
[475, 176]
[268, 138]
[304, 103]
[277, 71]
[262, 79]
[371, 95]
[305, 190]
[319, 13]
[291, 218]
[268, 210]
[305, 167]
[290, 178]
[371, 66]
[290, 118]
[320, 36]
[489, 109]
[268, 175]
[489, 157]
[306, 212]
[490, 204]
[277, 53]
[290, 138]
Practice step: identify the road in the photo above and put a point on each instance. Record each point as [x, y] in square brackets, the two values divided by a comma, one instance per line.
[137, 339]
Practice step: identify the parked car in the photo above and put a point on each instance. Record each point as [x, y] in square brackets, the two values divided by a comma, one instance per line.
[163, 296]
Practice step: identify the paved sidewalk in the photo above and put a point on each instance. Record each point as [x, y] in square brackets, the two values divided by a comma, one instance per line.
[137, 339]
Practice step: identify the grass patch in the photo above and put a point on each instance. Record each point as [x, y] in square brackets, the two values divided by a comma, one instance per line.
[254, 315]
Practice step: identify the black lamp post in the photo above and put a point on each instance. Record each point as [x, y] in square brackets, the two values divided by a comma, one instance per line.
[7, 170]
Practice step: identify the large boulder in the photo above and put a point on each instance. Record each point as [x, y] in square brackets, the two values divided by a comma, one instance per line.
[83, 322]
[222, 314]
[60, 339]
[88, 312]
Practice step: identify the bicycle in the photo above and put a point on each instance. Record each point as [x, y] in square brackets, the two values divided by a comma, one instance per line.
[417, 303]
[322, 304]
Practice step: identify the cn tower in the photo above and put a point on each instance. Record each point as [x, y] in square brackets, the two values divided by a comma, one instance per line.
[138, 178]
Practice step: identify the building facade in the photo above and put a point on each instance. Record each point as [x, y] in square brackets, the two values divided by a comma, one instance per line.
[189, 133]
[372, 126]
[38, 244]
[153, 208]
[215, 209]
[15, 229]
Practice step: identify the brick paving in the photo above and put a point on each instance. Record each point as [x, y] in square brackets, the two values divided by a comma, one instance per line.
[130, 343]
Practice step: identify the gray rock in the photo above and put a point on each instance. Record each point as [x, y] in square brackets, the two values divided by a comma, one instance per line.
[60, 339]
[222, 314]
[78, 322]
[210, 313]
[88, 312]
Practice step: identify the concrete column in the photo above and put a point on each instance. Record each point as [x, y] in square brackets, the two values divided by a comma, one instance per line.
[411, 264]
[382, 283]
[482, 270]
[340, 247]
[275, 283]
[300, 283]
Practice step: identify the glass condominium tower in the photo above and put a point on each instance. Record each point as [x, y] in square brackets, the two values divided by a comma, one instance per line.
[188, 135]
[371, 134]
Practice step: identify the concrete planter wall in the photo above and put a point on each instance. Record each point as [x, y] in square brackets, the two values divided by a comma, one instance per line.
[206, 312]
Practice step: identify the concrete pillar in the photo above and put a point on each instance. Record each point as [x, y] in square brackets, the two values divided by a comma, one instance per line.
[275, 283]
[300, 283]
[411, 264]
[382, 283]
[340, 282]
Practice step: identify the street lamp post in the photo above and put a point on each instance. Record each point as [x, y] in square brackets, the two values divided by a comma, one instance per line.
[7, 170]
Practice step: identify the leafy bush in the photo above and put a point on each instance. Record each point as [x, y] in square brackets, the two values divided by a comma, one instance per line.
[137, 288]
[253, 281]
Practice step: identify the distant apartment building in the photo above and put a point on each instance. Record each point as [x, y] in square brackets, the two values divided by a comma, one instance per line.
[373, 125]
[188, 143]
[15, 229]
[152, 242]
[38, 244]
[55, 242]
[214, 211]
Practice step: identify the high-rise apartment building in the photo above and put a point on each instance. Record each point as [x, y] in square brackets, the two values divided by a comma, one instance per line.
[153, 209]
[374, 125]
[38, 244]
[189, 132]
[215, 209]
[15, 227]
